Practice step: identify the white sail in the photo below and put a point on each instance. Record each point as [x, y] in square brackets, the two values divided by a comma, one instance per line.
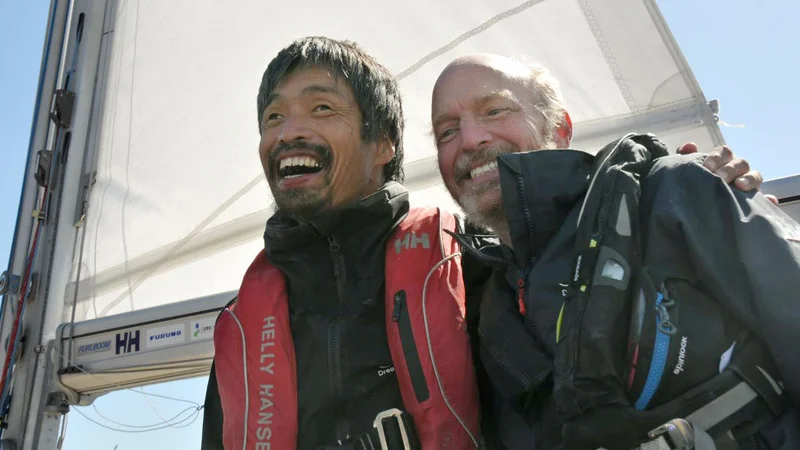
[178, 208]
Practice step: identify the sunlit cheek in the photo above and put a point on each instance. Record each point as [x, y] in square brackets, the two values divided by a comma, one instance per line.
[446, 172]
[446, 158]
[344, 180]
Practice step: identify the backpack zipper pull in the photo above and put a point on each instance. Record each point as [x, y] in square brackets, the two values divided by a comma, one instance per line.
[521, 290]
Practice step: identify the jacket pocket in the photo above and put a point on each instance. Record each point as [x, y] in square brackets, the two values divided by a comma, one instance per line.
[679, 339]
[400, 315]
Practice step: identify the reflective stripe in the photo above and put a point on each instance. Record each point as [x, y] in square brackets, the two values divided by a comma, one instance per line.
[723, 406]
[558, 324]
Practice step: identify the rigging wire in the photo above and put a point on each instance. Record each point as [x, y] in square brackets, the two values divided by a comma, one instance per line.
[170, 423]
[120, 430]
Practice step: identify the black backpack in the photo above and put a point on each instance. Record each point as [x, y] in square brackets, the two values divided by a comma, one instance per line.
[640, 342]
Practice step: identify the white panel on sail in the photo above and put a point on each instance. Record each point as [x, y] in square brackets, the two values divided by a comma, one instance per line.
[180, 202]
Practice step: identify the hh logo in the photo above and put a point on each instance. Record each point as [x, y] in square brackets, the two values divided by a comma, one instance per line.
[128, 342]
[411, 240]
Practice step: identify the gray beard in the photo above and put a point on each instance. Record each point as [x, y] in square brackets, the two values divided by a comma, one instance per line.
[494, 219]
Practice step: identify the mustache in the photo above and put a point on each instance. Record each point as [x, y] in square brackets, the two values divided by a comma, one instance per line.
[322, 152]
[467, 161]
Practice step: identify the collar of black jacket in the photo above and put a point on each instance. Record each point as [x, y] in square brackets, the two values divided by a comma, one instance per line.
[539, 190]
[362, 223]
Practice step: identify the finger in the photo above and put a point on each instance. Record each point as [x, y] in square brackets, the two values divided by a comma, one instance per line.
[735, 169]
[688, 148]
[718, 158]
[773, 199]
[750, 181]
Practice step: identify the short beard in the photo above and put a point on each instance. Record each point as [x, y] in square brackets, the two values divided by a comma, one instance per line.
[494, 217]
[299, 205]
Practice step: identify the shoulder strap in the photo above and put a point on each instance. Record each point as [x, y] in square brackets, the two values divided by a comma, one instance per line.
[426, 328]
[607, 252]
[255, 362]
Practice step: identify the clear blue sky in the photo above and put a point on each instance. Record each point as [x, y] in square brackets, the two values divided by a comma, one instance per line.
[745, 56]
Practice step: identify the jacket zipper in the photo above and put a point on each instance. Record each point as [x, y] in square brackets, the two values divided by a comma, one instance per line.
[605, 199]
[580, 296]
[531, 249]
[664, 329]
[520, 276]
[339, 270]
[334, 363]
[527, 212]
[401, 317]
[521, 292]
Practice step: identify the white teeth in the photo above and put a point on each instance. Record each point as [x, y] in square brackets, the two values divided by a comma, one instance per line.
[299, 161]
[478, 171]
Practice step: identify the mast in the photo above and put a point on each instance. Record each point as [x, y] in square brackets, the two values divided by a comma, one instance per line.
[57, 177]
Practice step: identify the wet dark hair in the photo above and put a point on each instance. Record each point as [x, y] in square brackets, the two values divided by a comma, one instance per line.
[374, 87]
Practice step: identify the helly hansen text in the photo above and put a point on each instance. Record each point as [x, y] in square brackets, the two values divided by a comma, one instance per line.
[265, 391]
[411, 240]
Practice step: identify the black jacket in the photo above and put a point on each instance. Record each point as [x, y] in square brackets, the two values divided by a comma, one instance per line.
[338, 323]
[743, 248]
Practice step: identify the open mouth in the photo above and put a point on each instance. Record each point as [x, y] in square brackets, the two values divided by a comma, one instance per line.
[482, 170]
[297, 166]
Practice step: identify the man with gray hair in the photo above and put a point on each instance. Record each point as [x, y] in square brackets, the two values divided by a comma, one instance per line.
[328, 344]
[630, 289]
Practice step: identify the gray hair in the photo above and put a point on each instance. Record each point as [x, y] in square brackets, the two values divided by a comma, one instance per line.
[547, 96]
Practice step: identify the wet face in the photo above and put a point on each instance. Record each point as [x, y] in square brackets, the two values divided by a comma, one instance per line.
[481, 111]
[311, 147]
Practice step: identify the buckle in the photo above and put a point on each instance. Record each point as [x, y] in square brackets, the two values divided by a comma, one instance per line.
[678, 434]
[378, 424]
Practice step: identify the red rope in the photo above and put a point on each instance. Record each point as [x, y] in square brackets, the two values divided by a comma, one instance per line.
[24, 292]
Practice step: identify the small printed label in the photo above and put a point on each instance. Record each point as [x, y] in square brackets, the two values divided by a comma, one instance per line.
[202, 329]
[166, 335]
[95, 347]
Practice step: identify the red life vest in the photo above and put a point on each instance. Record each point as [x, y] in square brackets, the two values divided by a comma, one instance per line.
[418, 257]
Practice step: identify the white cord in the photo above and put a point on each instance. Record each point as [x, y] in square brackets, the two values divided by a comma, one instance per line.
[163, 421]
[430, 348]
[193, 417]
[244, 369]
